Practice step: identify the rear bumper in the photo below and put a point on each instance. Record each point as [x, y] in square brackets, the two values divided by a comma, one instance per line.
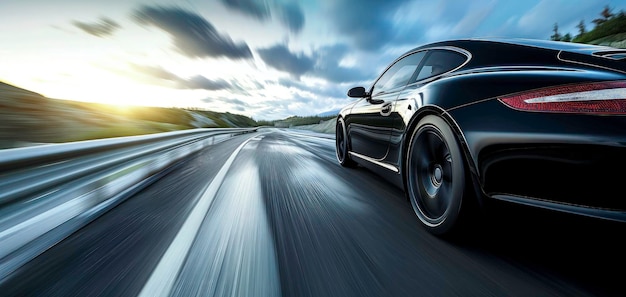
[567, 159]
[590, 175]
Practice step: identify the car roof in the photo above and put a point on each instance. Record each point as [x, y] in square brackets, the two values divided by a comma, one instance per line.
[555, 45]
[537, 43]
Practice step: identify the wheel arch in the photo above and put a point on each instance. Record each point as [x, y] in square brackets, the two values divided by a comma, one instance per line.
[460, 137]
[343, 118]
[345, 161]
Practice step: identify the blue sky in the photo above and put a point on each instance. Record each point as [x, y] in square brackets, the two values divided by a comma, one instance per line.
[268, 59]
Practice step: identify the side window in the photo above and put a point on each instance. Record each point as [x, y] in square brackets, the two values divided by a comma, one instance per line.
[440, 61]
[399, 74]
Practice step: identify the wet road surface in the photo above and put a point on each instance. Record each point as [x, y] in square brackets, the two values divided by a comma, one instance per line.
[273, 214]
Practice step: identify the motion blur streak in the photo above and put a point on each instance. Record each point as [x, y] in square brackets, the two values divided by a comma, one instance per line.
[233, 254]
[165, 274]
[287, 220]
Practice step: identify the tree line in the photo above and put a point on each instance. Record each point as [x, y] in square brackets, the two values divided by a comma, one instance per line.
[607, 24]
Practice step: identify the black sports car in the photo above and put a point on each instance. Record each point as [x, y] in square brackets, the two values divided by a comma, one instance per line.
[541, 123]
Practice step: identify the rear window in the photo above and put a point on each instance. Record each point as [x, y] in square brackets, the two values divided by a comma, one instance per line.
[440, 61]
[613, 60]
[615, 55]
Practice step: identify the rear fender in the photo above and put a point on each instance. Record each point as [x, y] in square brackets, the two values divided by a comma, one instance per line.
[467, 157]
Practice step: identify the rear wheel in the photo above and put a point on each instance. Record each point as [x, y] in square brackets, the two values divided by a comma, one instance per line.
[341, 146]
[435, 174]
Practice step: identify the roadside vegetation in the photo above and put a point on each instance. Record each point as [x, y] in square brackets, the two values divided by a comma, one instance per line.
[298, 121]
[28, 118]
[119, 130]
[609, 29]
[227, 119]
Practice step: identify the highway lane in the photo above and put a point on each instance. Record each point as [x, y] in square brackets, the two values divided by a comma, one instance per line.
[273, 214]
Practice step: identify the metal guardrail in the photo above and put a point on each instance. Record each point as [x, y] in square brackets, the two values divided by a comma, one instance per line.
[49, 191]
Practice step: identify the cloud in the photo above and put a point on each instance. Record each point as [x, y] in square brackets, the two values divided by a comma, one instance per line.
[154, 71]
[272, 107]
[257, 85]
[105, 27]
[292, 16]
[239, 102]
[368, 23]
[539, 20]
[192, 35]
[324, 63]
[201, 82]
[195, 82]
[328, 90]
[541, 17]
[279, 57]
[467, 25]
[328, 65]
[298, 104]
[232, 101]
[257, 9]
[289, 13]
[284, 98]
[372, 25]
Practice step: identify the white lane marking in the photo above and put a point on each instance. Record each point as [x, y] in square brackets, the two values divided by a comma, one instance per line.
[162, 279]
[233, 253]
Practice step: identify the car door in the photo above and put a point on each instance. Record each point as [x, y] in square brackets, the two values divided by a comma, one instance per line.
[436, 63]
[370, 123]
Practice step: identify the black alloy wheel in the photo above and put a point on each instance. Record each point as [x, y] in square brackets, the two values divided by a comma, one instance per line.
[435, 174]
[341, 144]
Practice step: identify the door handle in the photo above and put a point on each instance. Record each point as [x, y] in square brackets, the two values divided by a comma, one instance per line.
[385, 110]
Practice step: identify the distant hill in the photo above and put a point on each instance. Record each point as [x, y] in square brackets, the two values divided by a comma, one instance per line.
[11, 89]
[329, 113]
[327, 126]
[28, 118]
[298, 121]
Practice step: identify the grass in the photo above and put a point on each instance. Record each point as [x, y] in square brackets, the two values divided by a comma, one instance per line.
[175, 116]
[613, 26]
[301, 121]
[610, 39]
[43, 120]
[227, 119]
[119, 130]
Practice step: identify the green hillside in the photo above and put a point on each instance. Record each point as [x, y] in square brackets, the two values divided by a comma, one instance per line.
[28, 118]
[609, 30]
[297, 121]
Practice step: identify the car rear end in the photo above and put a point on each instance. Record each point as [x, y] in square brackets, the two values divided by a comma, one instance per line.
[561, 146]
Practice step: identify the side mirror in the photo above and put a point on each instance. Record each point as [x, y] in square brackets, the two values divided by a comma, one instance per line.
[357, 92]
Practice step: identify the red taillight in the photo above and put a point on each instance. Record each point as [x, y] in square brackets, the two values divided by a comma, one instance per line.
[595, 98]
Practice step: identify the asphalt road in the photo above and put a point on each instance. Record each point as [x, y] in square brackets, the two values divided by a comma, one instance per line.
[273, 214]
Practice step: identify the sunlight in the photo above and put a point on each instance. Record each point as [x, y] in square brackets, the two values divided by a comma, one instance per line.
[81, 82]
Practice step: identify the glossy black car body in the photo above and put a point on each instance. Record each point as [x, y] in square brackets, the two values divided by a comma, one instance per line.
[535, 122]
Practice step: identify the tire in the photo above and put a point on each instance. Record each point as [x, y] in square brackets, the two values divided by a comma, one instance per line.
[342, 144]
[435, 176]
